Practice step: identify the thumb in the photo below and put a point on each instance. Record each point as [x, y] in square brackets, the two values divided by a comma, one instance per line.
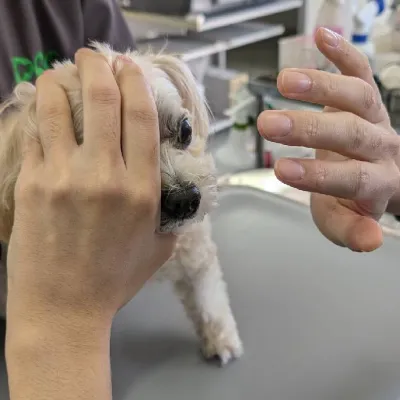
[343, 226]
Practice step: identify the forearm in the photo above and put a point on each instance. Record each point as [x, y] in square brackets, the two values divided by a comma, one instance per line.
[50, 361]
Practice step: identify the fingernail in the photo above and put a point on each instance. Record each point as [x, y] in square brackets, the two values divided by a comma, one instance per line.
[295, 82]
[330, 37]
[275, 125]
[120, 61]
[47, 72]
[125, 59]
[290, 170]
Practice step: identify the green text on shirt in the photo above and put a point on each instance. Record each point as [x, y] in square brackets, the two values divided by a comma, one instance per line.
[25, 69]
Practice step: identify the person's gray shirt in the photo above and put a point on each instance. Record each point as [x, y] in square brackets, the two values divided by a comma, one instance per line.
[35, 33]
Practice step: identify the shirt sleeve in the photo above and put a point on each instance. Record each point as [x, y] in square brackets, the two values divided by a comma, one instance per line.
[104, 22]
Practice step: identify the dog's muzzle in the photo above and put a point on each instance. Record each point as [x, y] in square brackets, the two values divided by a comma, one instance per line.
[180, 203]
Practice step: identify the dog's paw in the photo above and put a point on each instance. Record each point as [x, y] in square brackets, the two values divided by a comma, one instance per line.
[224, 348]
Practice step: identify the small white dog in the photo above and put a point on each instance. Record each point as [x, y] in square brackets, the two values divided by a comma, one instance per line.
[189, 189]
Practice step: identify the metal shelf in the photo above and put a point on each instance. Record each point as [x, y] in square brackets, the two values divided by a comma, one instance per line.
[219, 124]
[242, 34]
[198, 22]
[186, 47]
[198, 45]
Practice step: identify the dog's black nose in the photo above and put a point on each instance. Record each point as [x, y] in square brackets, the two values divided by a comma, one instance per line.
[181, 203]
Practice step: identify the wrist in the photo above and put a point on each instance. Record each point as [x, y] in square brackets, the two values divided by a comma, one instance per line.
[32, 324]
[40, 334]
[50, 356]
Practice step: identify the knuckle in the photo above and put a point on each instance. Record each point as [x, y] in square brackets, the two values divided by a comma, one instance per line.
[58, 191]
[355, 133]
[364, 64]
[101, 197]
[378, 146]
[391, 146]
[50, 111]
[359, 60]
[361, 181]
[143, 113]
[384, 146]
[51, 133]
[321, 176]
[146, 201]
[107, 190]
[312, 126]
[28, 189]
[104, 93]
[131, 71]
[369, 97]
[112, 191]
[332, 85]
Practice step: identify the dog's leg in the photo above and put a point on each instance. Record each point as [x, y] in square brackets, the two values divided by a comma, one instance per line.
[203, 293]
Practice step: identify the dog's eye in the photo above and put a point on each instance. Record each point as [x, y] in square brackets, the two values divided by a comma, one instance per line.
[185, 133]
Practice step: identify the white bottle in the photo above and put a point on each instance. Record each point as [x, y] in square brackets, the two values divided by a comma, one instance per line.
[363, 23]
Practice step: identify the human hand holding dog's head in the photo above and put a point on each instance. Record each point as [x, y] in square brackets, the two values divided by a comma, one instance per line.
[84, 238]
[355, 173]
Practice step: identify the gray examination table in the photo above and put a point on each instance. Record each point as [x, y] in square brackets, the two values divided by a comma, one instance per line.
[317, 321]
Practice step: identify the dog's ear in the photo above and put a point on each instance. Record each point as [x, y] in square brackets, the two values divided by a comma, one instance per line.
[183, 79]
[17, 117]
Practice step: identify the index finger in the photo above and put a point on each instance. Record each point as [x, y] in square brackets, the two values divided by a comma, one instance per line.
[54, 118]
[140, 129]
[101, 102]
[349, 60]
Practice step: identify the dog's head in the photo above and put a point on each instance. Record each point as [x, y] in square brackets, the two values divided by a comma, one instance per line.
[187, 171]
[188, 181]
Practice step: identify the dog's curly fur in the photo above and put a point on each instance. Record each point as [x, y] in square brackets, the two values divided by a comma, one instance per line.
[194, 268]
